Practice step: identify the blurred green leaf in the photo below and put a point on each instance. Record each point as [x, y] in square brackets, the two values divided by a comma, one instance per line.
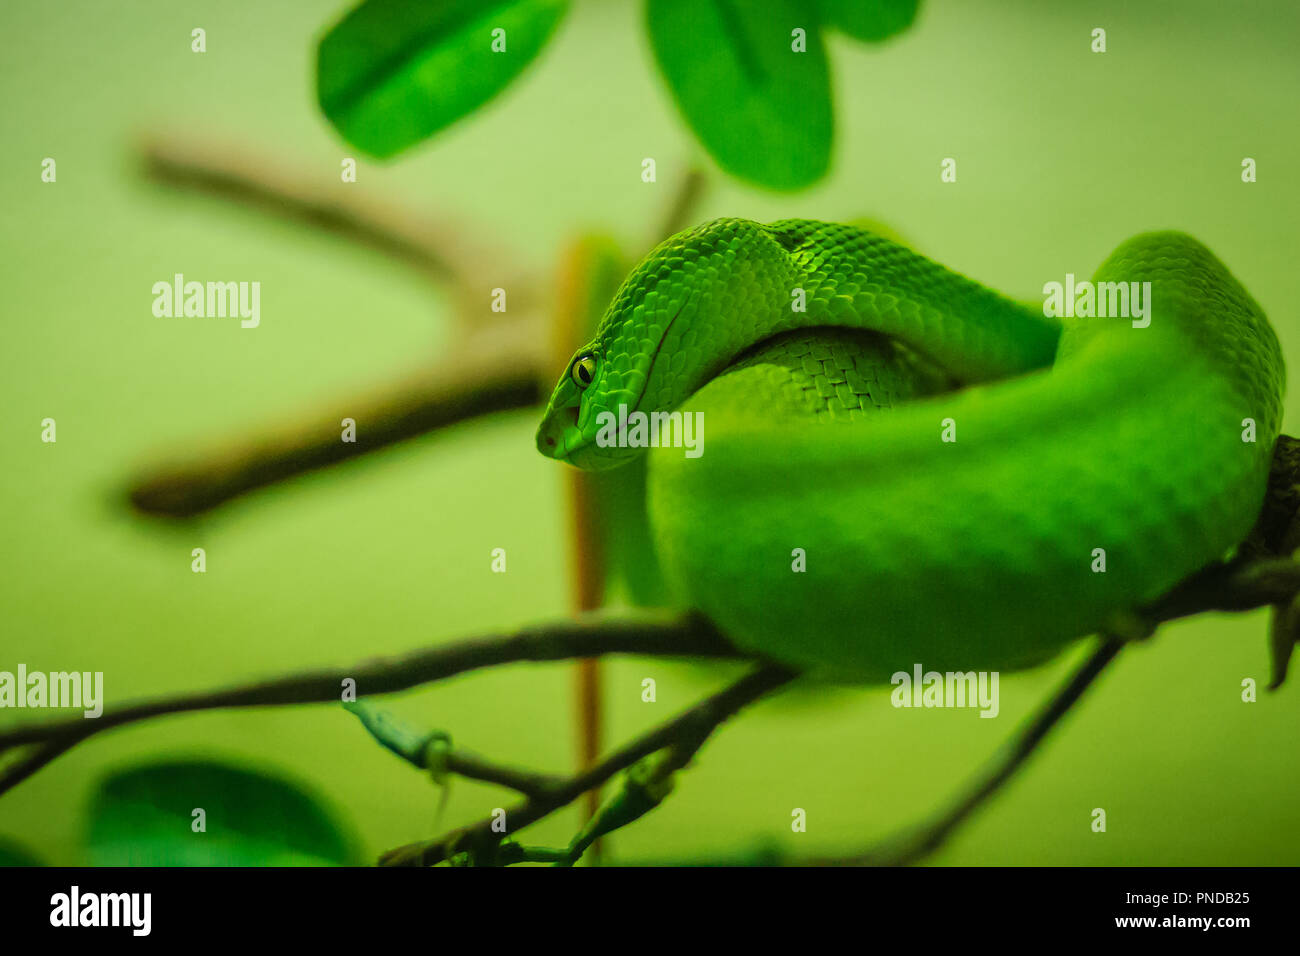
[762, 110]
[15, 854]
[144, 816]
[870, 20]
[394, 72]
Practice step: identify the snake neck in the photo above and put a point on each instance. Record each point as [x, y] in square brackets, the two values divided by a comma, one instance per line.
[708, 295]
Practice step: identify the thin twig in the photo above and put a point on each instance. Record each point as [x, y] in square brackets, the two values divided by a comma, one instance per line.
[919, 843]
[696, 723]
[530, 783]
[1239, 585]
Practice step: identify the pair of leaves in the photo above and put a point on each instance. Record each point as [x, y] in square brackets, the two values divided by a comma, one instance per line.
[394, 72]
[145, 816]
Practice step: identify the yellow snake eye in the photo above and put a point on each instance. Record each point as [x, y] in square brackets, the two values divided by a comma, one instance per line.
[583, 371]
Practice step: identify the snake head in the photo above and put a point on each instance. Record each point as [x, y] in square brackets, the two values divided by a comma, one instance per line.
[574, 418]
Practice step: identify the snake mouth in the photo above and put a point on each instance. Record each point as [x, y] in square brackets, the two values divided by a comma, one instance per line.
[658, 348]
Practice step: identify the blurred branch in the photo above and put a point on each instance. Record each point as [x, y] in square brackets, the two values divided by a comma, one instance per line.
[476, 383]
[499, 365]
[650, 634]
[682, 211]
[447, 253]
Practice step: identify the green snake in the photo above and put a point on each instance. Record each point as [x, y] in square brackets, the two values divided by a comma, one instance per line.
[903, 466]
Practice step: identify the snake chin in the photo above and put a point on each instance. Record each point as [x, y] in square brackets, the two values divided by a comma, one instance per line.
[592, 457]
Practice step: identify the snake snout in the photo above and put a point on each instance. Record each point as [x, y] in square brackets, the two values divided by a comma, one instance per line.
[550, 436]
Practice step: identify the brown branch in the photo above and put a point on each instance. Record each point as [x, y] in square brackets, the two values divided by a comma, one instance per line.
[1242, 584]
[446, 252]
[528, 782]
[653, 634]
[1277, 532]
[470, 385]
[580, 279]
[500, 366]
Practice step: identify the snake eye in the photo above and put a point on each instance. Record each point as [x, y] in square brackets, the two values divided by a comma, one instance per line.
[583, 371]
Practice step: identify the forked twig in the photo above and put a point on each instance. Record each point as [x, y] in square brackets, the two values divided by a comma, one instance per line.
[690, 729]
[498, 365]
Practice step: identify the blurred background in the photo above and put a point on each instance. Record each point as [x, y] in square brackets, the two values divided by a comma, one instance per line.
[1061, 154]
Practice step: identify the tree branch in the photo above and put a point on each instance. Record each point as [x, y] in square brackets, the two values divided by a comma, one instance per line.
[654, 634]
[1252, 579]
[695, 724]
[500, 365]
[448, 253]
[530, 783]
[470, 384]
[915, 844]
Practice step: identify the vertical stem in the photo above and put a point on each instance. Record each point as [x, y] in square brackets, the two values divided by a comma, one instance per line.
[571, 324]
[588, 591]
[580, 296]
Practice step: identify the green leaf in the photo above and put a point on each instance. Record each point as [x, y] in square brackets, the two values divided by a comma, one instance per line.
[15, 854]
[870, 20]
[394, 72]
[145, 816]
[762, 110]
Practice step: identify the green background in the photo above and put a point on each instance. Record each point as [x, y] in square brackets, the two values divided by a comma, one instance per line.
[1061, 155]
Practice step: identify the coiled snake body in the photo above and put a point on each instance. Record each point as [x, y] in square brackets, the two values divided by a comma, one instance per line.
[956, 468]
